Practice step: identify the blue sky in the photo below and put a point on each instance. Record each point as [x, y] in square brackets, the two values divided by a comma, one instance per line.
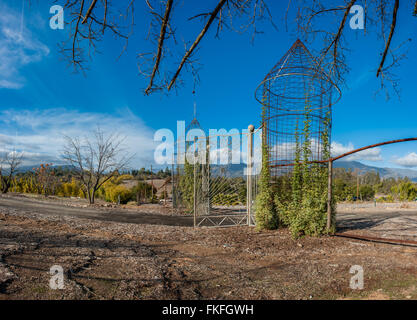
[41, 99]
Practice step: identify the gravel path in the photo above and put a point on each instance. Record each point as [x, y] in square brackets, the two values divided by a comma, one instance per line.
[100, 214]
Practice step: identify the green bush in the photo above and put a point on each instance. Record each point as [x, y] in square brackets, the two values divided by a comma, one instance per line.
[121, 178]
[302, 200]
[144, 190]
[112, 194]
[70, 189]
[266, 214]
[405, 191]
[226, 199]
[366, 192]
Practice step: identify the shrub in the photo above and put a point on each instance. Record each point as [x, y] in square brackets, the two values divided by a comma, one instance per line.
[144, 190]
[302, 204]
[366, 192]
[121, 178]
[112, 194]
[70, 189]
[405, 191]
[226, 199]
[265, 209]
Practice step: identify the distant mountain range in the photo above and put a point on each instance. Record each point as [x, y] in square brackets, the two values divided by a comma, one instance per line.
[30, 168]
[383, 172]
[237, 170]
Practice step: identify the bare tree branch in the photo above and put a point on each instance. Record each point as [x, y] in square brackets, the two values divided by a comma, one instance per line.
[332, 56]
[229, 14]
[9, 163]
[388, 43]
[96, 161]
[87, 15]
[197, 41]
[160, 44]
[87, 29]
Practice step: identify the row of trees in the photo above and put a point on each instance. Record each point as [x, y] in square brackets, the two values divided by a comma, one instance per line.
[95, 168]
[113, 190]
[144, 174]
[351, 186]
[213, 186]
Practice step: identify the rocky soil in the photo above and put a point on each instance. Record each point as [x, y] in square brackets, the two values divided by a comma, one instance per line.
[104, 258]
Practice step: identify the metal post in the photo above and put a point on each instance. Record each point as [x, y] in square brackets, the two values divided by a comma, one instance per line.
[329, 196]
[208, 176]
[357, 185]
[205, 180]
[195, 185]
[173, 183]
[152, 185]
[249, 175]
[165, 193]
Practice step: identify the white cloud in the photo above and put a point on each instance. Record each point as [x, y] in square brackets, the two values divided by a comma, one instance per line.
[42, 139]
[373, 154]
[18, 48]
[410, 160]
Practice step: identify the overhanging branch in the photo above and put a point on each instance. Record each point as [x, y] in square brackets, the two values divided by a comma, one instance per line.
[160, 44]
[387, 45]
[213, 15]
[90, 9]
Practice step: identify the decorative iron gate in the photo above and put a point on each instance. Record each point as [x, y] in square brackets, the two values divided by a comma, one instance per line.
[217, 193]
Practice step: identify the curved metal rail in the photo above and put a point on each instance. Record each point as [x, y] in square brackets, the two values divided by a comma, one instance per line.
[351, 152]
[376, 239]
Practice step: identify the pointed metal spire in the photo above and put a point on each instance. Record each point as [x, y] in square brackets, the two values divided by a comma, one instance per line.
[296, 75]
[194, 124]
[195, 110]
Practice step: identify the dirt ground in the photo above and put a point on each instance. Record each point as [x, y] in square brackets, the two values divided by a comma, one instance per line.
[152, 253]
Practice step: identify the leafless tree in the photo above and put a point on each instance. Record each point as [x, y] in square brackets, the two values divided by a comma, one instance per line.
[9, 164]
[45, 178]
[315, 20]
[96, 160]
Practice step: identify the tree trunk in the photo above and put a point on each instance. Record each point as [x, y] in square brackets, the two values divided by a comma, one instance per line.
[5, 185]
[89, 196]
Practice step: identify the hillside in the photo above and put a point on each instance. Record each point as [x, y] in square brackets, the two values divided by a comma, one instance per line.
[237, 170]
[383, 172]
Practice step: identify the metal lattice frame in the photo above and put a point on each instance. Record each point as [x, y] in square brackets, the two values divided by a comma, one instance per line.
[294, 91]
[215, 194]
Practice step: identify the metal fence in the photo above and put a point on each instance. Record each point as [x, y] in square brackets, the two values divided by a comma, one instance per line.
[215, 178]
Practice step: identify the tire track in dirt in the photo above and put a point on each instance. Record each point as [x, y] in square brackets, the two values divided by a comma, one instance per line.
[6, 275]
[76, 269]
[176, 283]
